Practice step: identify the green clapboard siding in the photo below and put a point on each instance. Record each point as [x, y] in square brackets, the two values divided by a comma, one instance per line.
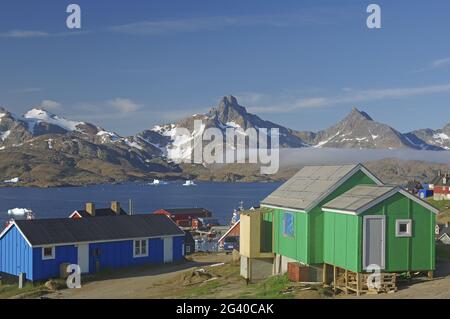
[317, 243]
[342, 240]
[307, 246]
[413, 253]
[294, 247]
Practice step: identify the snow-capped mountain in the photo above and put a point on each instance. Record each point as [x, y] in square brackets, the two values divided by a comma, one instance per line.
[439, 138]
[359, 130]
[177, 145]
[41, 148]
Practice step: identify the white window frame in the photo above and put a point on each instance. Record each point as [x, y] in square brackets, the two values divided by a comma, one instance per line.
[188, 249]
[48, 257]
[140, 241]
[408, 232]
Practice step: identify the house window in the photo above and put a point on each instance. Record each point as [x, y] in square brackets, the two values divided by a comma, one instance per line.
[188, 249]
[96, 252]
[140, 248]
[288, 224]
[403, 228]
[48, 252]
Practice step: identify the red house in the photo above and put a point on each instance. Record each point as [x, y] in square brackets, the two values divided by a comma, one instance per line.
[441, 187]
[184, 217]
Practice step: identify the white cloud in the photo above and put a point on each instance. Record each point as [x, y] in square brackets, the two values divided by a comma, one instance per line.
[441, 63]
[158, 27]
[124, 105]
[351, 97]
[436, 64]
[49, 104]
[24, 34]
[27, 34]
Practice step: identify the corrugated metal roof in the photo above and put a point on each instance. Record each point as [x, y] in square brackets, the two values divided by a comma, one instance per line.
[109, 228]
[358, 197]
[308, 186]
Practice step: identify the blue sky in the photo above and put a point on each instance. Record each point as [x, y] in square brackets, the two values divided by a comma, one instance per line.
[303, 64]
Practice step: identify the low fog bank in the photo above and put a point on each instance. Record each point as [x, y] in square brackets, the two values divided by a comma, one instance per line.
[308, 156]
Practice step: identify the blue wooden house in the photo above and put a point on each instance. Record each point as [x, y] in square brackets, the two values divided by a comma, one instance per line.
[39, 247]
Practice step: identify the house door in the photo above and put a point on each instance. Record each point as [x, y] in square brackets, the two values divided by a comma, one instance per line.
[83, 257]
[168, 249]
[374, 241]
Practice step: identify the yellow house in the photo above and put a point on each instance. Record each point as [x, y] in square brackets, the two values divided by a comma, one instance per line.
[255, 248]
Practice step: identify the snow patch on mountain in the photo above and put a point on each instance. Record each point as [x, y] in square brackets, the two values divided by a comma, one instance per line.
[108, 136]
[5, 135]
[35, 116]
[182, 144]
[133, 144]
[322, 143]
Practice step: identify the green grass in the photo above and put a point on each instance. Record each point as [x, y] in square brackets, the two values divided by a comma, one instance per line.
[270, 288]
[202, 290]
[440, 204]
[30, 290]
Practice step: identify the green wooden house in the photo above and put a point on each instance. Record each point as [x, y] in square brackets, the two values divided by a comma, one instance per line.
[312, 224]
[384, 226]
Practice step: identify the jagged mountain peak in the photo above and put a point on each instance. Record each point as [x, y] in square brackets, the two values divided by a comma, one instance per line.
[228, 107]
[229, 100]
[359, 130]
[357, 114]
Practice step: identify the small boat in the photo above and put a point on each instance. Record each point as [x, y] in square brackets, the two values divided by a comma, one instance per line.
[155, 182]
[20, 212]
[189, 183]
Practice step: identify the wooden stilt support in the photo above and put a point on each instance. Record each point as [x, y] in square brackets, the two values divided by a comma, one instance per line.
[430, 274]
[324, 275]
[346, 282]
[334, 278]
[358, 284]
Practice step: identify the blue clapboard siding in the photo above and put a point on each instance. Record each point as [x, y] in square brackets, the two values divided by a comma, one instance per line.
[120, 254]
[15, 254]
[178, 243]
[49, 268]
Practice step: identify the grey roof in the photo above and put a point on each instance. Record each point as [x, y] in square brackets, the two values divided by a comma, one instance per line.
[439, 181]
[106, 228]
[358, 197]
[310, 185]
[443, 230]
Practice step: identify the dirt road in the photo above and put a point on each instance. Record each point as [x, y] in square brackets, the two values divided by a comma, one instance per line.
[138, 283]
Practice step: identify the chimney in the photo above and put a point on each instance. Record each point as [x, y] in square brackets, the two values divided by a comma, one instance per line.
[90, 209]
[115, 207]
